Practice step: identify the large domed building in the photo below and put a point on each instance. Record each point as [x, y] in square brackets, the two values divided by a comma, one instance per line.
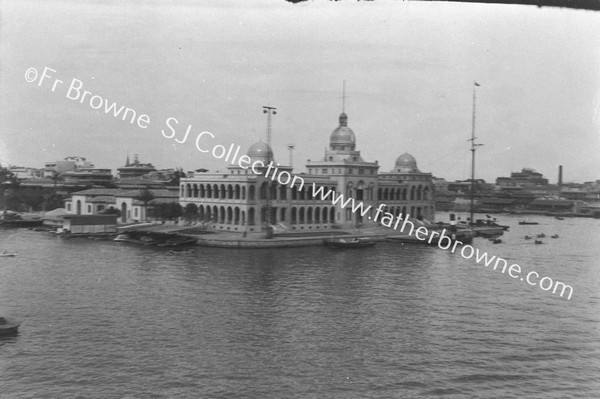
[240, 199]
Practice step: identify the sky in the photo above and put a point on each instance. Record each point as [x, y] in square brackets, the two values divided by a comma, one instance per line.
[409, 69]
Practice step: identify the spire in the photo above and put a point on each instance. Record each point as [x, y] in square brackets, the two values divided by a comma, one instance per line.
[344, 97]
[127, 162]
[343, 116]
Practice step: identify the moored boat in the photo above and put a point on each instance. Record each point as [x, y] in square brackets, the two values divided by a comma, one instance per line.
[348, 242]
[522, 222]
[9, 326]
[8, 255]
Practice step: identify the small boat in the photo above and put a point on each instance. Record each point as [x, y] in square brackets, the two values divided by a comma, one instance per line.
[8, 255]
[497, 241]
[178, 242]
[541, 235]
[526, 222]
[527, 237]
[559, 218]
[348, 242]
[554, 236]
[539, 242]
[8, 326]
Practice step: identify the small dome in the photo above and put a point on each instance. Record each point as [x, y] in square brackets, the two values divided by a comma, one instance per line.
[342, 135]
[260, 151]
[406, 160]
[406, 163]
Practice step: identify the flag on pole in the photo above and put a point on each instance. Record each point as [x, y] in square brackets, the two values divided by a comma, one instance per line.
[477, 84]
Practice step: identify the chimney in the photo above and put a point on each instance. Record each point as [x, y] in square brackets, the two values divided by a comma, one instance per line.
[560, 176]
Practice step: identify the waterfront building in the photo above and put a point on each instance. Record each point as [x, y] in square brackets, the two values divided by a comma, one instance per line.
[95, 201]
[240, 200]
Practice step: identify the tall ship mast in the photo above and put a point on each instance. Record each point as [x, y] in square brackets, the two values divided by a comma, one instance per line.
[473, 149]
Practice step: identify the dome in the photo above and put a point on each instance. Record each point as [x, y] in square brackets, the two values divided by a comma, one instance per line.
[406, 163]
[260, 151]
[342, 135]
[406, 160]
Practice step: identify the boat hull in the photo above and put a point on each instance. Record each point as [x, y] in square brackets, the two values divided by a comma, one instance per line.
[8, 326]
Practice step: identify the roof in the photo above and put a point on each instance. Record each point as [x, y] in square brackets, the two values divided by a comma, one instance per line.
[552, 202]
[162, 201]
[504, 201]
[158, 193]
[83, 220]
[56, 214]
[98, 191]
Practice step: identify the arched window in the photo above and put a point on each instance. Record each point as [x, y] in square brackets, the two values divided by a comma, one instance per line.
[222, 215]
[282, 215]
[263, 191]
[282, 192]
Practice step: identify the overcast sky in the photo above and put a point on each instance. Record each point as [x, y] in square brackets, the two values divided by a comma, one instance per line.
[409, 68]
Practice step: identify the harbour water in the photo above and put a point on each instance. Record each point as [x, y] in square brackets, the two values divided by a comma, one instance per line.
[113, 320]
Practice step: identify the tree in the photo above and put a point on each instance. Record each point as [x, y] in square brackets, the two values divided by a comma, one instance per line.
[179, 173]
[174, 211]
[56, 177]
[8, 187]
[190, 212]
[145, 196]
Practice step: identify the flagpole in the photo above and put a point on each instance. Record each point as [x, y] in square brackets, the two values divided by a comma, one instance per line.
[473, 148]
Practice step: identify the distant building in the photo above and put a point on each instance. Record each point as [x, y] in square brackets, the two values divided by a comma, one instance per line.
[134, 169]
[23, 173]
[527, 177]
[88, 176]
[69, 164]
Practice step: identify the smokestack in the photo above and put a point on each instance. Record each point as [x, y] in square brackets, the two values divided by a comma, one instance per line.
[560, 176]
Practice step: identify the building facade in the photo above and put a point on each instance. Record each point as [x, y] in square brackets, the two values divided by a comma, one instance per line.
[241, 200]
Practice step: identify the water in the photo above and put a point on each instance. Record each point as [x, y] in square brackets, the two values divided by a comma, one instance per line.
[113, 320]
